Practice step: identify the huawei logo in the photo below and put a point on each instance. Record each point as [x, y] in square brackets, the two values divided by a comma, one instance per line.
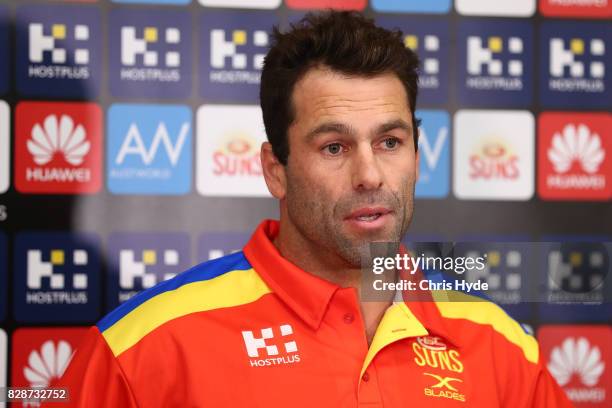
[576, 143]
[58, 136]
[576, 356]
[48, 364]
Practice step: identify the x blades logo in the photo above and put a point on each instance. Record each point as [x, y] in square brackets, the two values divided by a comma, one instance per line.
[444, 388]
[234, 45]
[574, 156]
[141, 260]
[58, 277]
[150, 53]
[59, 51]
[573, 68]
[149, 149]
[58, 147]
[496, 59]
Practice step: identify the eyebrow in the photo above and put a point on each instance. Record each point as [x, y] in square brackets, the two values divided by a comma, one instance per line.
[337, 127]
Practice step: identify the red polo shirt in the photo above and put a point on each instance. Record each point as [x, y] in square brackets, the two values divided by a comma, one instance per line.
[253, 330]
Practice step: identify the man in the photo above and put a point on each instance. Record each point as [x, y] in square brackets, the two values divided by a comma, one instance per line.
[282, 322]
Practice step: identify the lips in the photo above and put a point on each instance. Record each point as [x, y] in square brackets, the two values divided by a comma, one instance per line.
[368, 214]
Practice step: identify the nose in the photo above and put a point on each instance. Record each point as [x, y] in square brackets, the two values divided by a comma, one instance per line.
[366, 171]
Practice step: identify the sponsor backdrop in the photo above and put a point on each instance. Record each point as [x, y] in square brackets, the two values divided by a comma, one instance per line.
[129, 137]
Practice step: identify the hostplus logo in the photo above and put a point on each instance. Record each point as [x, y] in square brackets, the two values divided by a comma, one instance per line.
[496, 58]
[229, 138]
[271, 346]
[429, 39]
[58, 55]
[58, 147]
[151, 53]
[141, 260]
[61, 273]
[149, 149]
[215, 245]
[578, 357]
[235, 45]
[575, 156]
[434, 167]
[577, 272]
[573, 68]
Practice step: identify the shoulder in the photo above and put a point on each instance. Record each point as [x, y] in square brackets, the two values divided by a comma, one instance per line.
[223, 282]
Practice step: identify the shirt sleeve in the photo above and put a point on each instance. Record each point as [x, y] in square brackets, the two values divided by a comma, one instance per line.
[94, 377]
[547, 393]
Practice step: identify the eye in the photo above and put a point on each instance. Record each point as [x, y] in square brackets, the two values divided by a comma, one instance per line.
[333, 149]
[390, 143]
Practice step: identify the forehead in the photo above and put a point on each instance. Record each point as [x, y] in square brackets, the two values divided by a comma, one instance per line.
[323, 94]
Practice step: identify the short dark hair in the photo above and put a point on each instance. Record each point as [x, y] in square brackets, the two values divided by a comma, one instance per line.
[344, 41]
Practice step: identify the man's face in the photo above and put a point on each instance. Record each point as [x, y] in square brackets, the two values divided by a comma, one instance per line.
[352, 164]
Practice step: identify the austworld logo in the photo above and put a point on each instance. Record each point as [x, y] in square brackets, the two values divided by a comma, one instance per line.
[434, 166]
[58, 147]
[149, 149]
[229, 139]
[234, 45]
[141, 260]
[411, 6]
[578, 357]
[58, 277]
[575, 156]
[573, 68]
[495, 57]
[58, 50]
[150, 53]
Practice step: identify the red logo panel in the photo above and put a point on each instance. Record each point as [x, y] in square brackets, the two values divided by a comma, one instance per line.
[324, 4]
[41, 355]
[58, 147]
[575, 156]
[582, 8]
[580, 359]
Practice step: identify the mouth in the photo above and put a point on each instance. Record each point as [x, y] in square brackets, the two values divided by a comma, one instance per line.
[369, 215]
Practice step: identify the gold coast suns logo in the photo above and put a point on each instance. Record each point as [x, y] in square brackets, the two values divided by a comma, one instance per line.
[431, 352]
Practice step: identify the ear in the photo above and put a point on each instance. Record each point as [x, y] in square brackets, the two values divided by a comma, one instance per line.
[417, 161]
[273, 171]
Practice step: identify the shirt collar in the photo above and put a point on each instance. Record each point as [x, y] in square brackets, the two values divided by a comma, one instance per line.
[306, 294]
[309, 296]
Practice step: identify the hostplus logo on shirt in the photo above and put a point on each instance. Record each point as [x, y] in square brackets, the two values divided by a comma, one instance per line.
[271, 346]
[149, 149]
[58, 147]
[429, 39]
[495, 57]
[150, 53]
[575, 156]
[141, 260]
[434, 167]
[573, 67]
[57, 277]
[58, 50]
[233, 48]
